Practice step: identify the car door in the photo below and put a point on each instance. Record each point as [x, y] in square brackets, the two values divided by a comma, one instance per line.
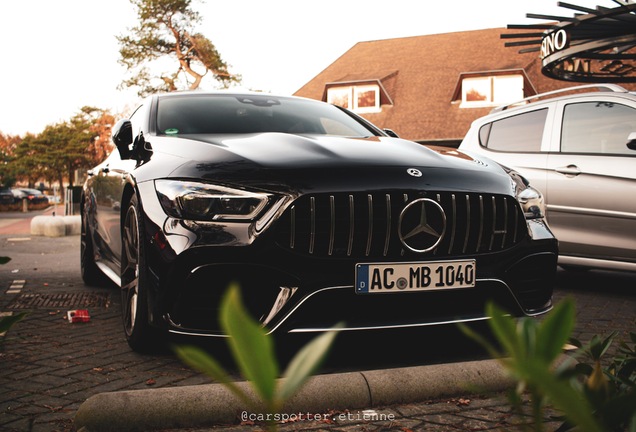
[591, 185]
[519, 141]
[107, 188]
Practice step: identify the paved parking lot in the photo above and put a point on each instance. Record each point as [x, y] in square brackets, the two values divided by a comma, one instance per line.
[51, 366]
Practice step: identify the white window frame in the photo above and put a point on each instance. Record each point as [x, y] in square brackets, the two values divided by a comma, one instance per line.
[351, 93]
[496, 89]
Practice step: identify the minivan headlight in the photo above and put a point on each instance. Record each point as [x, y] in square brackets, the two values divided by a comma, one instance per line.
[208, 202]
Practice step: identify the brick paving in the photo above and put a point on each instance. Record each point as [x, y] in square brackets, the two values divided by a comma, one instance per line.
[49, 366]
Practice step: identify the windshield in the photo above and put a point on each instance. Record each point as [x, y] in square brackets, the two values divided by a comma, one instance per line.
[240, 114]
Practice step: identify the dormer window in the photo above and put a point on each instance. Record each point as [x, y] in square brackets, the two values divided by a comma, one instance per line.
[487, 91]
[357, 98]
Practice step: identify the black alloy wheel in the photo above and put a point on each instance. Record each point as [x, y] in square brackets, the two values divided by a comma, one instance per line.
[134, 302]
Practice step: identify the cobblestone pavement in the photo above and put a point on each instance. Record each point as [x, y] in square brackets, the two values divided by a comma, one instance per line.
[50, 366]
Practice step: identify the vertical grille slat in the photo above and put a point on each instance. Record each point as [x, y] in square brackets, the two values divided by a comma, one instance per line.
[505, 222]
[312, 235]
[332, 226]
[365, 226]
[453, 222]
[352, 224]
[493, 231]
[467, 224]
[370, 222]
[389, 225]
[481, 222]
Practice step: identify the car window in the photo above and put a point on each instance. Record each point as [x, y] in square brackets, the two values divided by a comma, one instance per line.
[231, 114]
[519, 133]
[597, 127]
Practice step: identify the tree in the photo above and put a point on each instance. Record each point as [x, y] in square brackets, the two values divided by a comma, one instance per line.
[61, 149]
[8, 145]
[165, 29]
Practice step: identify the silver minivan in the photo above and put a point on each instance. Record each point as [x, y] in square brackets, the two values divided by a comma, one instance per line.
[579, 149]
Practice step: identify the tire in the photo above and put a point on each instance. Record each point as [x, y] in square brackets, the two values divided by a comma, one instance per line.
[140, 335]
[91, 274]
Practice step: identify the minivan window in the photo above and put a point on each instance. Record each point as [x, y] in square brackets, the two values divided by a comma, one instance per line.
[519, 133]
[597, 127]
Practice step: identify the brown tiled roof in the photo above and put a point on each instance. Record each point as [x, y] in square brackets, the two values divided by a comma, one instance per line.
[420, 75]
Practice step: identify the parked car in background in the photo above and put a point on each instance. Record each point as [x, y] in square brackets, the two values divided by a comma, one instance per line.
[33, 196]
[579, 149]
[6, 196]
[318, 215]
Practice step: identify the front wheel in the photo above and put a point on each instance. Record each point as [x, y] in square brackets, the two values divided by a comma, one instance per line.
[140, 335]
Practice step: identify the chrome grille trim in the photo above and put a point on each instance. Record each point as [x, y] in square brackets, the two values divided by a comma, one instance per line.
[387, 239]
[494, 224]
[453, 218]
[481, 221]
[312, 241]
[332, 227]
[352, 224]
[363, 225]
[370, 235]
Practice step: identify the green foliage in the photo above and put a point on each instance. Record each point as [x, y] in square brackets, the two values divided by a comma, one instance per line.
[591, 397]
[7, 322]
[531, 350]
[611, 389]
[59, 150]
[166, 29]
[253, 350]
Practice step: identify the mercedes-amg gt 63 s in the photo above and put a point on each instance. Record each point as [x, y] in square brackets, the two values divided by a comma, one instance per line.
[319, 216]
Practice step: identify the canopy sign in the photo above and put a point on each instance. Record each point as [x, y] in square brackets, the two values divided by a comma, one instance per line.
[596, 45]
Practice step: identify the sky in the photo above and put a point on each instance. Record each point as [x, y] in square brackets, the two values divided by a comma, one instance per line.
[59, 56]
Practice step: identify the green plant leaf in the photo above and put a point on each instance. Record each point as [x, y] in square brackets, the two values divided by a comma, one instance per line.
[203, 362]
[504, 328]
[306, 362]
[555, 331]
[563, 395]
[8, 321]
[251, 347]
[4, 260]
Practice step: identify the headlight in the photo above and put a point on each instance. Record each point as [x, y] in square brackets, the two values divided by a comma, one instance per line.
[532, 203]
[207, 202]
[531, 199]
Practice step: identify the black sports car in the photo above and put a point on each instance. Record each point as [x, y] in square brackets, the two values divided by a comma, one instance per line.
[317, 214]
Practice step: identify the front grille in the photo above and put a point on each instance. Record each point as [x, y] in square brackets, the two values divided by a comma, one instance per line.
[366, 225]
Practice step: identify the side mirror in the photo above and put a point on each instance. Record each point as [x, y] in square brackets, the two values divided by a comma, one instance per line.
[391, 133]
[631, 141]
[123, 137]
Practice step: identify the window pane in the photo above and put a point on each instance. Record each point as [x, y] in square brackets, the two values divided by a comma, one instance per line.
[339, 96]
[597, 127]
[366, 98]
[521, 133]
[476, 89]
[507, 88]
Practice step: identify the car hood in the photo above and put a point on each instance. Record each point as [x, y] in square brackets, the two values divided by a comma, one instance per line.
[273, 160]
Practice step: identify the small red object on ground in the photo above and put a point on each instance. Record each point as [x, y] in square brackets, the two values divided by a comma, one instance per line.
[78, 315]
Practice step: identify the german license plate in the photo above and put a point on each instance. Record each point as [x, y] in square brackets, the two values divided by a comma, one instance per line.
[378, 278]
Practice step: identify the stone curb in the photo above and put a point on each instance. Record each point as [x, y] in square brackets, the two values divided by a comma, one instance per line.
[55, 226]
[213, 404]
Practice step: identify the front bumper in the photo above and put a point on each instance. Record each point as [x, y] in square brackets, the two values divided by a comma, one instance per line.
[290, 291]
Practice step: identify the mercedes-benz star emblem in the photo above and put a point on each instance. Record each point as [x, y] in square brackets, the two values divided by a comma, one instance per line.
[414, 172]
[422, 225]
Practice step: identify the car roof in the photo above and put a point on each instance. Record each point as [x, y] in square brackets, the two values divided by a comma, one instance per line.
[574, 92]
